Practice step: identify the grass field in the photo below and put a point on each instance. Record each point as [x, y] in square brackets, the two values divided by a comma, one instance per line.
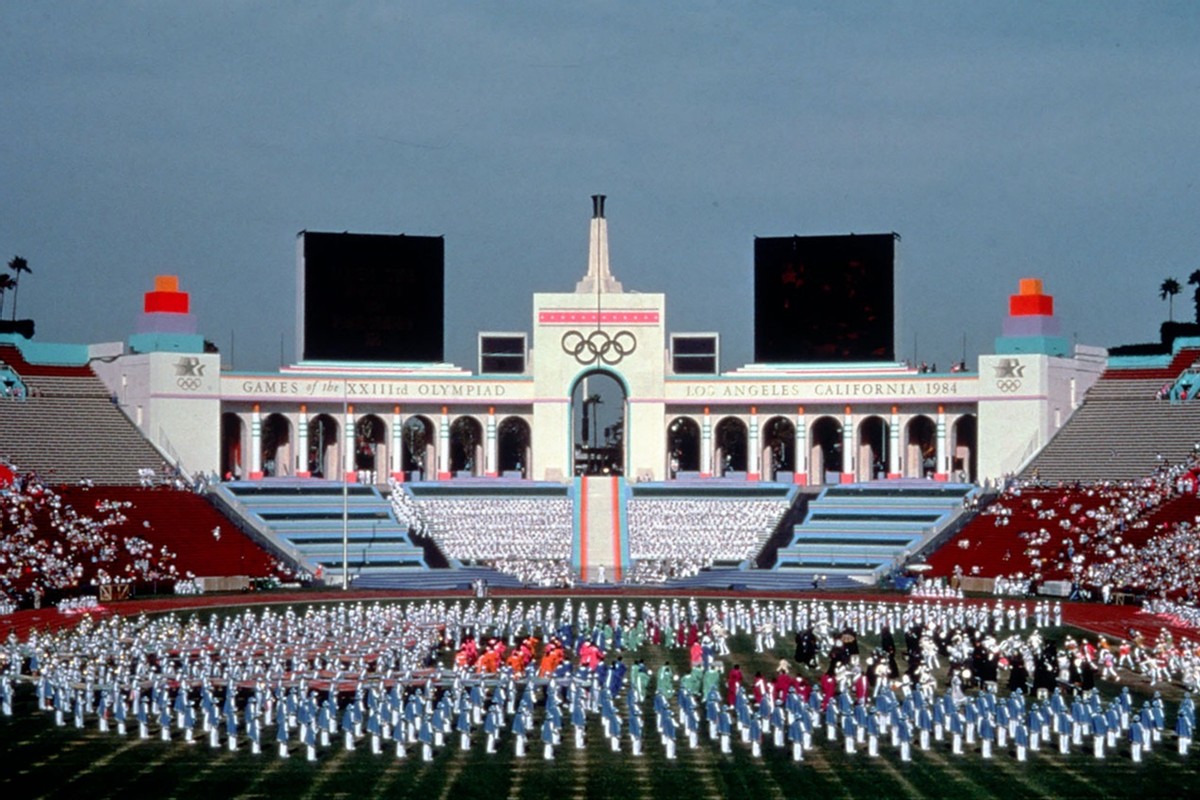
[41, 760]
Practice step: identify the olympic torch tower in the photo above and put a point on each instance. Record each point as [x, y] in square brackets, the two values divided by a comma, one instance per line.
[598, 334]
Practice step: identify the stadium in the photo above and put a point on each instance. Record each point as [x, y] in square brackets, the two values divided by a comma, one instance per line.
[597, 563]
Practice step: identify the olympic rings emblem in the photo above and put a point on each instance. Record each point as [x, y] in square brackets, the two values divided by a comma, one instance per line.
[598, 346]
[188, 383]
[1008, 385]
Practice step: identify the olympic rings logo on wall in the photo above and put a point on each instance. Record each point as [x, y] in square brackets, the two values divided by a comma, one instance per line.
[188, 383]
[1008, 385]
[598, 346]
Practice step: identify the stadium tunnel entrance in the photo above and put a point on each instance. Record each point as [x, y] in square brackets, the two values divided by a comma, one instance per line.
[825, 441]
[514, 447]
[779, 448]
[370, 448]
[683, 448]
[598, 414]
[730, 456]
[420, 448]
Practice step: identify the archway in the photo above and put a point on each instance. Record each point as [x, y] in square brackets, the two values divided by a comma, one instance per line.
[966, 460]
[872, 448]
[420, 447]
[324, 447]
[778, 447]
[232, 433]
[370, 448]
[513, 438]
[729, 447]
[825, 456]
[466, 446]
[598, 424]
[276, 448]
[920, 450]
[683, 447]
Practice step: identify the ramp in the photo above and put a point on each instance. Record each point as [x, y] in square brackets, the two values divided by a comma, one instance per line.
[599, 544]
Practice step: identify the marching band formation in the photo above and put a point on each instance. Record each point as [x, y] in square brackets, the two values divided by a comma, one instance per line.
[538, 672]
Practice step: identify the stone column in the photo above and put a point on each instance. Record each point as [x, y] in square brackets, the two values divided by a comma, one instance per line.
[943, 448]
[894, 444]
[348, 446]
[706, 445]
[302, 443]
[443, 450]
[256, 471]
[490, 451]
[753, 453]
[849, 457]
[396, 453]
[801, 447]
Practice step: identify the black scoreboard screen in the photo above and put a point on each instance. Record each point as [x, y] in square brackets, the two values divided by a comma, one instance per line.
[371, 297]
[824, 299]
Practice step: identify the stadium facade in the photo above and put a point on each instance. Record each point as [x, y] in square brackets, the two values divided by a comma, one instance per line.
[599, 386]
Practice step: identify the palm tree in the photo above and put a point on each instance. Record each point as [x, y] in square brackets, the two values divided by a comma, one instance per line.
[1194, 280]
[6, 283]
[1170, 287]
[17, 265]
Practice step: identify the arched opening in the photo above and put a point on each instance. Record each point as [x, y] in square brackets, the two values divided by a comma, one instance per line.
[276, 446]
[420, 447]
[466, 447]
[730, 448]
[598, 425]
[232, 432]
[324, 449]
[872, 449]
[370, 448]
[513, 445]
[966, 460]
[683, 448]
[825, 455]
[778, 449]
[920, 452]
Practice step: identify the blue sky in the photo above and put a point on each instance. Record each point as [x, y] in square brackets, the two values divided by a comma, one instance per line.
[1001, 140]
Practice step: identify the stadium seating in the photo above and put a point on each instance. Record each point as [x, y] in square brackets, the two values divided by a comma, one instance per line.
[676, 531]
[1128, 535]
[1123, 428]
[72, 540]
[864, 530]
[520, 528]
[305, 518]
[67, 429]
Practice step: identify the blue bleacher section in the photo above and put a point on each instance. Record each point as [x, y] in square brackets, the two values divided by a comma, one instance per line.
[305, 518]
[861, 531]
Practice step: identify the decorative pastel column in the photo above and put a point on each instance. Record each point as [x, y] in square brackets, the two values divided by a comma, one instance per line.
[396, 451]
[943, 448]
[848, 454]
[706, 446]
[491, 453]
[443, 451]
[753, 454]
[255, 443]
[348, 446]
[302, 443]
[801, 448]
[894, 444]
